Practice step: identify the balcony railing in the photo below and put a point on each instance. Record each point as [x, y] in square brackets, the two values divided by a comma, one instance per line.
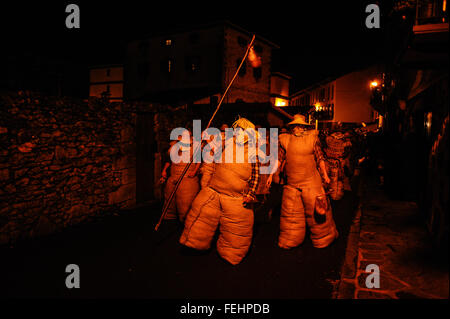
[431, 12]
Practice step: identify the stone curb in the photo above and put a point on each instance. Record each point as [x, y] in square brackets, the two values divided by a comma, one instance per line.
[363, 248]
[345, 288]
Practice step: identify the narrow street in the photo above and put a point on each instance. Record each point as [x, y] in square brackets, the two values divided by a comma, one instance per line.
[210, 110]
[123, 257]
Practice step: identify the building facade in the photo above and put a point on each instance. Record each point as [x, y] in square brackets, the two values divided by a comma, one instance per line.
[343, 99]
[415, 100]
[279, 89]
[106, 82]
[195, 66]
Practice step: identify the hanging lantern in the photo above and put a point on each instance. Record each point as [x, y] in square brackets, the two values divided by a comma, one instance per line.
[255, 60]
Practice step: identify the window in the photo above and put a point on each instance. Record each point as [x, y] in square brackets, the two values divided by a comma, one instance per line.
[258, 49]
[143, 48]
[322, 94]
[242, 42]
[243, 69]
[326, 113]
[257, 73]
[143, 70]
[166, 66]
[168, 42]
[192, 64]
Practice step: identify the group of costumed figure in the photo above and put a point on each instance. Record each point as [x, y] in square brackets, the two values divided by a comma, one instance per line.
[221, 192]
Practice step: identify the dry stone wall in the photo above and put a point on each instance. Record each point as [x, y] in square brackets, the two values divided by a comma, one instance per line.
[62, 162]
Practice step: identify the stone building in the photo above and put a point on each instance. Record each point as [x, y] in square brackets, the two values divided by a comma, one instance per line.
[106, 81]
[195, 66]
[415, 100]
[343, 99]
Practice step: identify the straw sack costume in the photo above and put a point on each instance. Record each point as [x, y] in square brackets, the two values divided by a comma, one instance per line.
[335, 150]
[301, 154]
[223, 204]
[187, 190]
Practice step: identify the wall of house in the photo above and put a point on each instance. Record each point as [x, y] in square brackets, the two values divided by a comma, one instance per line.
[115, 90]
[62, 162]
[106, 74]
[279, 90]
[147, 66]
[246, 87]
[352, 96]
[66, 161]
[279, 85]
[106, 79]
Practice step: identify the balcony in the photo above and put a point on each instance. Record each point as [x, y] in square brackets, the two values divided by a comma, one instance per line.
[431, 16]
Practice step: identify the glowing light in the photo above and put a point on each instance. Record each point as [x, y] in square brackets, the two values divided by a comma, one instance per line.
[428, 122]
[254, 59]
[280, 102]
[318, 107]
[444, 5]
[373, 84]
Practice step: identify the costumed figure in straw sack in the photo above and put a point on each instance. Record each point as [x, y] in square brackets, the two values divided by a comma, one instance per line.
[180, 154]
[206, 167]
[336, 151]
[226, 201]
[304, 201]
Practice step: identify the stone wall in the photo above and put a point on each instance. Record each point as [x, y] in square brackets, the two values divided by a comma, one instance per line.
[62, 162]
[246, 86]
[65, 161]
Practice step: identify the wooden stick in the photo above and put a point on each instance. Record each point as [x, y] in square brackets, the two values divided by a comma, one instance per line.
[166, 206]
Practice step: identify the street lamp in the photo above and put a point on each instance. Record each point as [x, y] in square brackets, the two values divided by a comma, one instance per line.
[373, 84]
[318, 108]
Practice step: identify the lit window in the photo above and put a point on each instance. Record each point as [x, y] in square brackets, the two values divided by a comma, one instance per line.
[280, 102]
[166, 66]
[168, 43]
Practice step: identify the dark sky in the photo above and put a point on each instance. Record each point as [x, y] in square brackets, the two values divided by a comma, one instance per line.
[317, 39]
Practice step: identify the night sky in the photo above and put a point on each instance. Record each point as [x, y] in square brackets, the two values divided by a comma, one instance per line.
[317, 39]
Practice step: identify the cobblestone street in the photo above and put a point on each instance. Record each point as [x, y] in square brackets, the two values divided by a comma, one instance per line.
[392, 235]
[123, 257]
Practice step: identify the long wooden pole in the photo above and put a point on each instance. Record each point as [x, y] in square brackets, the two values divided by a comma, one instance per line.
[166, 206]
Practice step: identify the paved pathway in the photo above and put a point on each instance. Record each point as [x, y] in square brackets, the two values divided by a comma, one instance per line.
[123, 257]
[392, 235]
